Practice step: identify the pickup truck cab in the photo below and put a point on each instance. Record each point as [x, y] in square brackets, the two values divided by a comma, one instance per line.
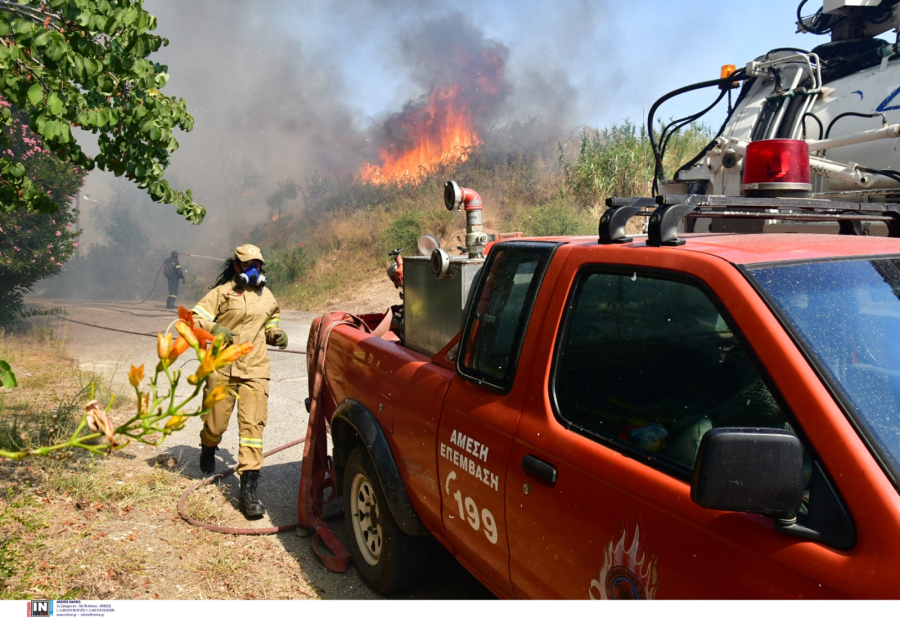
[713, 419]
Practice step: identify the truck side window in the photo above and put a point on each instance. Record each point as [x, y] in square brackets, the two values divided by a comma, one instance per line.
[649, 365]
[496, 321]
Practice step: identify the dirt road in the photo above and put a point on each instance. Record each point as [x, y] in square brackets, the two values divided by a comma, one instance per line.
[110, 353]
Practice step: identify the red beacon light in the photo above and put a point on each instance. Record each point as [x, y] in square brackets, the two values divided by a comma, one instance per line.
[776, 168]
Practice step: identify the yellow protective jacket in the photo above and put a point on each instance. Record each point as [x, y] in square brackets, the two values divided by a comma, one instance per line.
[252, 313]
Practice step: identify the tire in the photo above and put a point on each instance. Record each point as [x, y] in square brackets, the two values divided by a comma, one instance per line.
[387, 559]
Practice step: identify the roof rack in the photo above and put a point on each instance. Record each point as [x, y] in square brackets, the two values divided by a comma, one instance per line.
[667, 211]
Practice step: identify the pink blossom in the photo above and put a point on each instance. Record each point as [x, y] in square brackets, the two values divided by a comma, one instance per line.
[58, 233]
[75, 244]
[50, 246]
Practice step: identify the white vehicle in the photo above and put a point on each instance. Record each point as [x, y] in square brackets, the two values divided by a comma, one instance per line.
[841, 98]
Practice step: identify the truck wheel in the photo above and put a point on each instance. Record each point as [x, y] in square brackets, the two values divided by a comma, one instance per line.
[386, 558]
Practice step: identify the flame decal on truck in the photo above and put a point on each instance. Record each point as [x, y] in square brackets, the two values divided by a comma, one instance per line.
[626, 574]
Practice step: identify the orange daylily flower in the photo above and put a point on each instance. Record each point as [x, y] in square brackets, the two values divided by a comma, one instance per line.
[175, 423]
[216, 395]
[231, 354]
[136, 375]
[203, 336]
[178, 346]
[206, 367]
[185, 315]
[225, 357]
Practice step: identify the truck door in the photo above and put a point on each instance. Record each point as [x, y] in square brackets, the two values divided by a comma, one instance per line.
[640, 365]
[482, 407]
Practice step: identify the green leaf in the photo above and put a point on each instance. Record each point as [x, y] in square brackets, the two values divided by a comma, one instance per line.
[55, 51]
[55, 104]
[35, 94]
[51, 129]
[7, 377]
[16, 170]
[22, 26]
[4, 27]
[42, 39]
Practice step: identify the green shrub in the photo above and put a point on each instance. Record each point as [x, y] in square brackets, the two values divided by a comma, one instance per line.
[618, 161]
[558, 217]
[35, 246]
[283, 267]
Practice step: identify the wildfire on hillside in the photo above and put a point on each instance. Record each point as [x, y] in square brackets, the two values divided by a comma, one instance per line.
[440, 128]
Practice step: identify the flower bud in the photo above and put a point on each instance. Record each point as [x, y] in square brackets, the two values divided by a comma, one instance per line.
[185, 331]
[163, 344]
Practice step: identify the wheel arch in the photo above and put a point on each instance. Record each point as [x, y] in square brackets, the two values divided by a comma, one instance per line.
[351, 424]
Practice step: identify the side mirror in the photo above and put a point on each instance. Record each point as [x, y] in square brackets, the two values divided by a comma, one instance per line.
[750, 470]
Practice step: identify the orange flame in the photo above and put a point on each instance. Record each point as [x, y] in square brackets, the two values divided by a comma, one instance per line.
[439, 131]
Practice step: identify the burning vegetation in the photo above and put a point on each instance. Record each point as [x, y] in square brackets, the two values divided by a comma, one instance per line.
[442, 127]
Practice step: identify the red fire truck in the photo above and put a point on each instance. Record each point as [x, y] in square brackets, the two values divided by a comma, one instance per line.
[710, 409]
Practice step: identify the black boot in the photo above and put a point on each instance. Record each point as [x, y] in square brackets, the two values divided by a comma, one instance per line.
[207, 458]
[251, 507]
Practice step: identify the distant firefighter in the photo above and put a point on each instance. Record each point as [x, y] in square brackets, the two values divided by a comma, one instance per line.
[172, 271]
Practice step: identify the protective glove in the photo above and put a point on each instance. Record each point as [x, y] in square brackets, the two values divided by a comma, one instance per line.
[227, 334]
[280, 339]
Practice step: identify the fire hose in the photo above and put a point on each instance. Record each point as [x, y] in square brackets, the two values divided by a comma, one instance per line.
[227, 473]
[317, 472]
[131, 332]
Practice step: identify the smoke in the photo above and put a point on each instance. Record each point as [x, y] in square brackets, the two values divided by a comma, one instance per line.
[284, 90]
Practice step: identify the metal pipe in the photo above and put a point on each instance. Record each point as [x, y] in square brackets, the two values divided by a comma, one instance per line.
[845, 173]
[871, 135]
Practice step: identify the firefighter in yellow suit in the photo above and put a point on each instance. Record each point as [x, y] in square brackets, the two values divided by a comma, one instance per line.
[243, 310]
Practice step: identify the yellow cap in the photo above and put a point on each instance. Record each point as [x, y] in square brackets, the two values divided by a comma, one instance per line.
[727, 70]
[245, 253]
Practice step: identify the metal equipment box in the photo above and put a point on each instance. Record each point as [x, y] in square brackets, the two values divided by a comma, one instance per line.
[434, 308]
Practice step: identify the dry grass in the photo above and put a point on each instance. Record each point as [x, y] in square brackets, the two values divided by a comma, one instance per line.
[108, 527]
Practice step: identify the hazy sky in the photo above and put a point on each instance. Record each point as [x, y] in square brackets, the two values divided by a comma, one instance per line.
[283, 88]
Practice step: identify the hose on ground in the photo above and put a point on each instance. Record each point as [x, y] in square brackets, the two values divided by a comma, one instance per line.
[223, 529]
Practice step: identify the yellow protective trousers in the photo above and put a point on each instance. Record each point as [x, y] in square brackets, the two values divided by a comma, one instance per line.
[252, 396]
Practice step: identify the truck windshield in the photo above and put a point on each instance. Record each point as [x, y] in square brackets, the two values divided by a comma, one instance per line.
[847, 316]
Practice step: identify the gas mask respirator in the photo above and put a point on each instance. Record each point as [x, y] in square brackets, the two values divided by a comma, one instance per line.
[251, 276]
